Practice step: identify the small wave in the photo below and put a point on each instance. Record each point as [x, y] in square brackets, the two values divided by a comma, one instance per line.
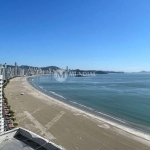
[57, 94]
[41, 87]
[81, 105]
[110, 117]
[90, 84]
[98, 112]
[73, 102]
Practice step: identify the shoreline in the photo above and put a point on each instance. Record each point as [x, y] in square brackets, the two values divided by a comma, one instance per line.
[128, 124]
[125, 128]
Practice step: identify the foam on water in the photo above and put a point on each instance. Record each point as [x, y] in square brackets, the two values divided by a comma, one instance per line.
[82, 105]
[57, 94]
[41, 87]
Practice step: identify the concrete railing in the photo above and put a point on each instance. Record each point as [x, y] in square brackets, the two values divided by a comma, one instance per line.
[39, 140]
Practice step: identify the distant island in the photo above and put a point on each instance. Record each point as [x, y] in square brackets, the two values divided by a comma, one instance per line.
[78, 72]
[142, 72]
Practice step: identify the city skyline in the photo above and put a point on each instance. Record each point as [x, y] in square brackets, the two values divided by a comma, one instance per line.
[100, 35]
[21, 69]
[15, 70]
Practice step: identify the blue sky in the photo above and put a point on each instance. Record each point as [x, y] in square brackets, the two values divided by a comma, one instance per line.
[84, 34]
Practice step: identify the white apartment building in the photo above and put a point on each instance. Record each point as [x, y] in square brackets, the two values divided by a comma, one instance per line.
[1, 108]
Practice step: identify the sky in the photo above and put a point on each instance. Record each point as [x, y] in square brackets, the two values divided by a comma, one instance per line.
[82, 34]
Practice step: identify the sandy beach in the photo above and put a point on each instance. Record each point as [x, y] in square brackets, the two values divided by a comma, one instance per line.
[67, 126]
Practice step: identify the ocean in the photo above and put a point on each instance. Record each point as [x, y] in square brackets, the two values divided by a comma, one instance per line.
[124, 98]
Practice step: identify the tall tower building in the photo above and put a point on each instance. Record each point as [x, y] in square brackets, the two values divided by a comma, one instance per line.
[1, 66]
[1, 108]
[67, 68]
[2, 71]
[16, 71]
[6, 75]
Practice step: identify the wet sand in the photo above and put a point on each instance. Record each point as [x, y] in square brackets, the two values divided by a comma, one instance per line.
[71, 128]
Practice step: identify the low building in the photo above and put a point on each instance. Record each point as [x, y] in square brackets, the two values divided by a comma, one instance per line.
[22, 139]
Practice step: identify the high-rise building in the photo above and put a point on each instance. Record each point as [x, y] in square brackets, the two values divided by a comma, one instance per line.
[1, 66]
[1, 108]
[9, 72]
[16, 70]
[67, 68]
[12, 72]
[21, 71]
[2, 72]
[5, 72]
